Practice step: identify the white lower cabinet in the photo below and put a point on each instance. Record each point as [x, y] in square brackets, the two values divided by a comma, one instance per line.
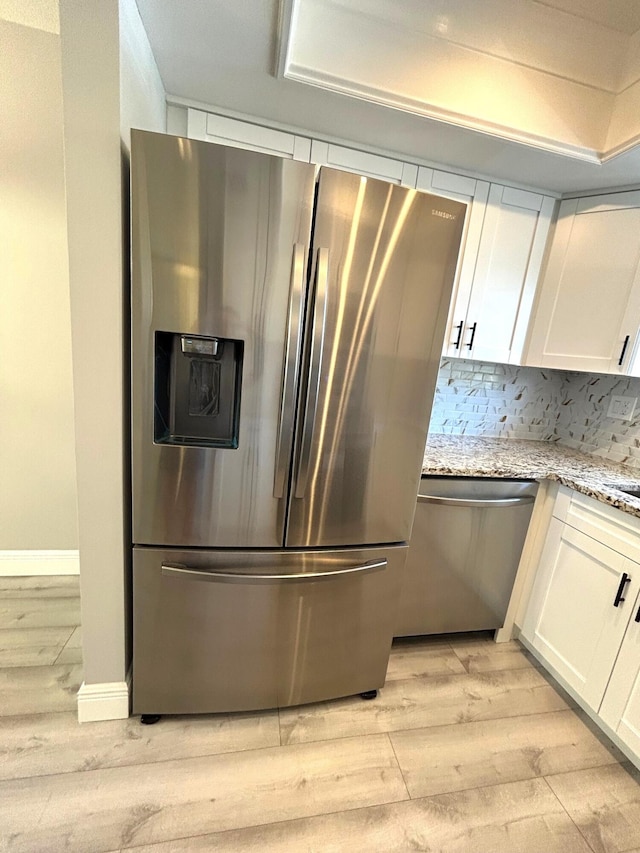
[583, 615]
[575, 618]
[620, 709]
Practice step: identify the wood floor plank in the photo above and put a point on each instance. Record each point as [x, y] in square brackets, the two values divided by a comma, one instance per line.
[422, 658]
[120, 807]
[521, 817]
[29, 656]
[75, 640]
[40, 586]
[39, 613]
[605, 804]
[417, 703]
[69, 655]
[16, 638]
[45, 744]
[39, 689]
[488, 656]
[452, 758]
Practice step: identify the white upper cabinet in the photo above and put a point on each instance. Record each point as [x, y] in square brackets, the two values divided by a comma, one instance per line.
[475, 194]
[514, 236]
[242, 134]
[503, 246]
[588, 313]
[363, 163]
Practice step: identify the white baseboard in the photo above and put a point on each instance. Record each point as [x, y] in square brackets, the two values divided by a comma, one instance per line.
[25, 563]
[109, 701]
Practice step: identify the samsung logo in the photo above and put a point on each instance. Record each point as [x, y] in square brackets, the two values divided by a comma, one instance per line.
[443, 214]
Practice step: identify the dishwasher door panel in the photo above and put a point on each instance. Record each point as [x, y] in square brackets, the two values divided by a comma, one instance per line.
[464, 552]
[219, 631]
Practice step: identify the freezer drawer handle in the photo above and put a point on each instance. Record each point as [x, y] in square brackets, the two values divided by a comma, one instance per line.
[489, 503]
[315, 373]
[290, 374]
[177, 570]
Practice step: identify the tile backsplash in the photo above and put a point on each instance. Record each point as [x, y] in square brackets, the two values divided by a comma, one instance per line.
[474, 398]
[583, 423]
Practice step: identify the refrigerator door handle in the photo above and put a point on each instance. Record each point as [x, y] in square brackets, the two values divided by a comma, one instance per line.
[179, 571]
[315, 372]
[290, 374]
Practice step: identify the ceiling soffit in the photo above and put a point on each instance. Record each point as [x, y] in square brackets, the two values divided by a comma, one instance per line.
[562, 76]
[622, 15]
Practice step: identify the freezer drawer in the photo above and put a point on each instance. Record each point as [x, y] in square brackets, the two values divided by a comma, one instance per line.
[463, 556]
[242, 630]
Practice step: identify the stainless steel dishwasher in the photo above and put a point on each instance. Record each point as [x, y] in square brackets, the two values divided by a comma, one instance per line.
[463, 555]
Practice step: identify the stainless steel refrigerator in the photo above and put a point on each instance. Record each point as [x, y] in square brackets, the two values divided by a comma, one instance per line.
[287, 323]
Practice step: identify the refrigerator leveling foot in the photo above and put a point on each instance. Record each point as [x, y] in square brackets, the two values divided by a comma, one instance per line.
[149, 719]
[369, 694]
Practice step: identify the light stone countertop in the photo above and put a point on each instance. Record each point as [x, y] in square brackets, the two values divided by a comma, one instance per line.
[477, 456]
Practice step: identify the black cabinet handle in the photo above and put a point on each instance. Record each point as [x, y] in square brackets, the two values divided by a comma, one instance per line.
[637, 619]
[624, 580]
[624, 349]
[459, 327]
[473, 334]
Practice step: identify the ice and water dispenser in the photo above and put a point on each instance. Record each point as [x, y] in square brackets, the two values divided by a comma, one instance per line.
[197, 390]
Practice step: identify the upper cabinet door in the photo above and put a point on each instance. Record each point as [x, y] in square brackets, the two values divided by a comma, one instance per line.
[506, 235]
[242, 134]
[364, 163]
[589, 306]
[514, 235]
[474, 194]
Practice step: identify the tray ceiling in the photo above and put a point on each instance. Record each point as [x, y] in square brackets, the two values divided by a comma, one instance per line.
[530, 72]
[622, 15]
[576, 58]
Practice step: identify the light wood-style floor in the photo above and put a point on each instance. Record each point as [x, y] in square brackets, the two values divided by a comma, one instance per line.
[467, 749]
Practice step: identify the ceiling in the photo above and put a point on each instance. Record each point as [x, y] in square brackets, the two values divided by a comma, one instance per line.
[222, 55]
[621, 15]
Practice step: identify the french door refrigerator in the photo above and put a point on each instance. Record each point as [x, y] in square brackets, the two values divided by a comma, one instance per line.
[287, 323]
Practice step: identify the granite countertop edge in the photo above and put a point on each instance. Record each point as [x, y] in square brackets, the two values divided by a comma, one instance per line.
[524, 459]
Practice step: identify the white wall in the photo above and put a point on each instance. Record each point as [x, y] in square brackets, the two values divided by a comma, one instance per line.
[92, 33]
[38, 496]
[142, 96]
[40, 14]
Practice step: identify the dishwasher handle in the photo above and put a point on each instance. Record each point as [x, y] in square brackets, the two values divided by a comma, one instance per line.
[480, 503]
